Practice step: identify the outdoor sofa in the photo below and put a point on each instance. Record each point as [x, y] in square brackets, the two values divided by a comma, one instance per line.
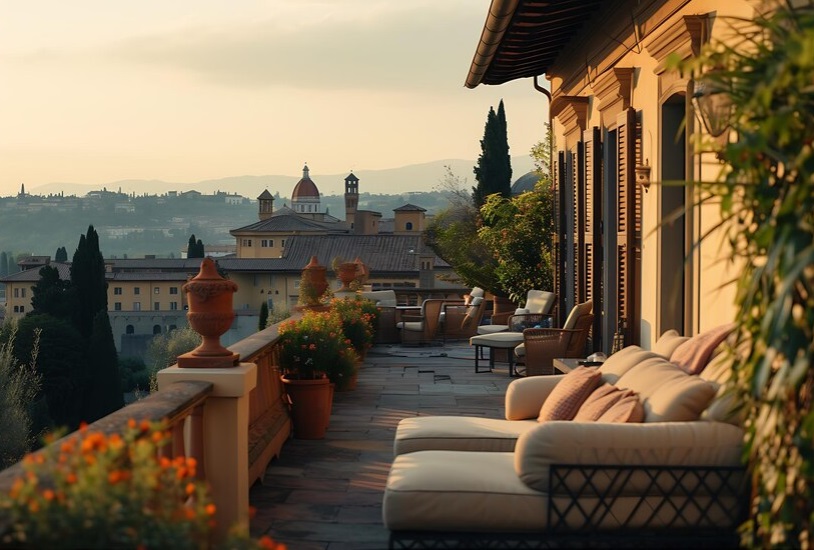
[651, 456]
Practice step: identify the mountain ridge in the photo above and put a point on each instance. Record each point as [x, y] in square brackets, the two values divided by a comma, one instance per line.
[425, 176]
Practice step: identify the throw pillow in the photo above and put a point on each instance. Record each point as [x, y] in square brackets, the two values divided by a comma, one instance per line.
[627, 409]
[598, 403]
[569, 394]
[693, 355]
[669, 341]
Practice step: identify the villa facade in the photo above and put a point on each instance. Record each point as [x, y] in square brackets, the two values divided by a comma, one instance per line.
[625, 127]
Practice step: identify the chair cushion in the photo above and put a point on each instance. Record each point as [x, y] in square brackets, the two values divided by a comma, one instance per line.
[600, 400]
[622, 361]
[454, 491]
[539, 301]
[569, 394]
[491, 329]
[693, 355]
[627, 409]
[668, 393]
[669, 341]
[578, 311]
[412, 326]
[458, 433]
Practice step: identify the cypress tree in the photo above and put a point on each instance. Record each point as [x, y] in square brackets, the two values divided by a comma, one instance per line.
[3, 264]
[88, 280]
[264, 316]
[104, 393]
[494, 170]
[52, 295]
[199, 249]
[191, 247]
[61, 254]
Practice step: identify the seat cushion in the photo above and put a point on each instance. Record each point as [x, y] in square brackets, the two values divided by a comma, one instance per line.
[412, 326]
[622, 361]
[578, 311]
[497, 340]
[628, 408]
[458, 433]
[454, 491]
[491, 329]
[569, 394]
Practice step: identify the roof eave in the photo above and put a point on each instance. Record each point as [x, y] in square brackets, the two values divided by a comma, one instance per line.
[497, 21]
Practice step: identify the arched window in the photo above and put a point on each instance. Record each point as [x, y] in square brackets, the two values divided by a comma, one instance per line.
[409, 226]
[156, 329]
[130, 329]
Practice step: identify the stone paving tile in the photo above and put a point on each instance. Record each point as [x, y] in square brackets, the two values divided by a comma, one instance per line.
[327, 494]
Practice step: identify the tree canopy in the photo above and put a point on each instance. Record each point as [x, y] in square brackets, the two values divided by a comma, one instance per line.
[494, 169]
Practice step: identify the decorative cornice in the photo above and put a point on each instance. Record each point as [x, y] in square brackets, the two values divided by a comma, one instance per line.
[614, 86]
[685, 38]
[571, 110]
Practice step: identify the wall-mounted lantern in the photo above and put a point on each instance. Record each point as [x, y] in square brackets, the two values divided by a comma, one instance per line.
[643, 175]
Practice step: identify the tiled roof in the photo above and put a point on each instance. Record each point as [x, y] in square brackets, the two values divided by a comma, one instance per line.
[409, 208]
[288, 221]
[265, 195]
[33, 275]
[381, 253]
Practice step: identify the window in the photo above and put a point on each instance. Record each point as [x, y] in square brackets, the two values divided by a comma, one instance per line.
[137, 291]
[22, 292]
[156, 329]
[22, 309]
[247, 242]
[16, 309]
[130, 329]
[282, 243]
[267, 243]
[408, 226]
[156, 306]
[173, 306]
[173, 290]
[16, 294]
[117, 290]
[136, 306]
[156, 290]
[117, 306]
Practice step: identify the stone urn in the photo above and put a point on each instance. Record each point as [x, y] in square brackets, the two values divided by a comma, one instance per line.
[313, 283]
[210, 314]
[347, 273]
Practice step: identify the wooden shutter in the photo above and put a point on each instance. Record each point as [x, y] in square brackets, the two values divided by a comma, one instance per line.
[579, 224]
[592, 229]
[558, 241]
[628, 223]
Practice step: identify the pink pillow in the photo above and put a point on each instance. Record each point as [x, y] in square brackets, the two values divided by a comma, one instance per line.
[598, 403]
[569, 394]
[693, 355]
[627, 409]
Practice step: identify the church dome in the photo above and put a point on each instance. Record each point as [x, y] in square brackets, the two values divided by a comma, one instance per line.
[305, 188]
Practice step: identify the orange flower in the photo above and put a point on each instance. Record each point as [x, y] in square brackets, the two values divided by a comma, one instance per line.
[267, 543]
[144, 426]
[131, 423]
[114, 477]
[83, 426]
[190, 488]
[48, 495]
[70, 478]
[210, 509]
[164, 462]
[33, 506]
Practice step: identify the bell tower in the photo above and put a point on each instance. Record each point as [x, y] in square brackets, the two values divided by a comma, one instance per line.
[351, 198]
[266, 205]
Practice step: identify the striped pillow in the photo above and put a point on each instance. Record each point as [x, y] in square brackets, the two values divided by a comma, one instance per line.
[569, 394]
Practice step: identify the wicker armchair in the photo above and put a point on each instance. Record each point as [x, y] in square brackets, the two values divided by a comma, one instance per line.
[542, 345]
[537, 301]
[461, 322]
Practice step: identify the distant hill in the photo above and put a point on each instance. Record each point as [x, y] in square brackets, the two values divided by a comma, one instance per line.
[414, 177]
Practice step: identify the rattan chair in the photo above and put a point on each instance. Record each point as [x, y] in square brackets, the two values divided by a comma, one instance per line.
[422, 328]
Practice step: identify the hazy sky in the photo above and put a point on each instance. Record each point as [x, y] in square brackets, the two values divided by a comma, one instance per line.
[94, 91]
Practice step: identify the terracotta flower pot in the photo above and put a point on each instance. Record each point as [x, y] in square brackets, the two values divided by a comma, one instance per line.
[311, 402]
[347, 273]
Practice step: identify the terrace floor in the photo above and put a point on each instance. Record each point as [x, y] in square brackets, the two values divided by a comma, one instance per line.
[327, 494]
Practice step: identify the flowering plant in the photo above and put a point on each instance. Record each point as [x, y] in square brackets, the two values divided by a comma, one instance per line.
[315, 346]
[357, 321]
[112, 491]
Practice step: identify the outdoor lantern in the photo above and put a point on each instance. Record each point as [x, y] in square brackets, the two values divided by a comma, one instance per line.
[643, 175]
[714, 108]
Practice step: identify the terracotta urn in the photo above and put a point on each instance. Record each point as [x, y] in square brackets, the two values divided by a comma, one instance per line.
[313, 276]
[347, 273]
[210, 314]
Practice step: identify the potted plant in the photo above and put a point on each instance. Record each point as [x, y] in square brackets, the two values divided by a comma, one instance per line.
[313, 355]
[357, 322]
[313, 286]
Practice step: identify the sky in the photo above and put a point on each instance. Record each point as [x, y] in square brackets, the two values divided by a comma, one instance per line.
[95, 91]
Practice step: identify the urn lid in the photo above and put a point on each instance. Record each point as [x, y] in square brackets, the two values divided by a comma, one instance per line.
[208, 274]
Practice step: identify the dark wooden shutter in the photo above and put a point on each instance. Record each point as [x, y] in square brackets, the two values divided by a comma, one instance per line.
[559, 241]
[628, 222]
[592, 229]
[579, 225]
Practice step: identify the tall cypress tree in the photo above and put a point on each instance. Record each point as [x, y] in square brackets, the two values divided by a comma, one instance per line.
[3, 264]
[88, 280]
[191, 247]
[61, 254]
[104, 388]
[494, 170]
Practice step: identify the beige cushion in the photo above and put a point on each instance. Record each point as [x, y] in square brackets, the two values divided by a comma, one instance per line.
[600, 400]
[412, 326]
[568, 396]
[525, 396]
[627, 409]
[539, 301]
[578, 311]
[668, 393]
[668, 343]
[454, 491]
[458, 433]
[491, 329]
[622, 361]
[693, 355]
